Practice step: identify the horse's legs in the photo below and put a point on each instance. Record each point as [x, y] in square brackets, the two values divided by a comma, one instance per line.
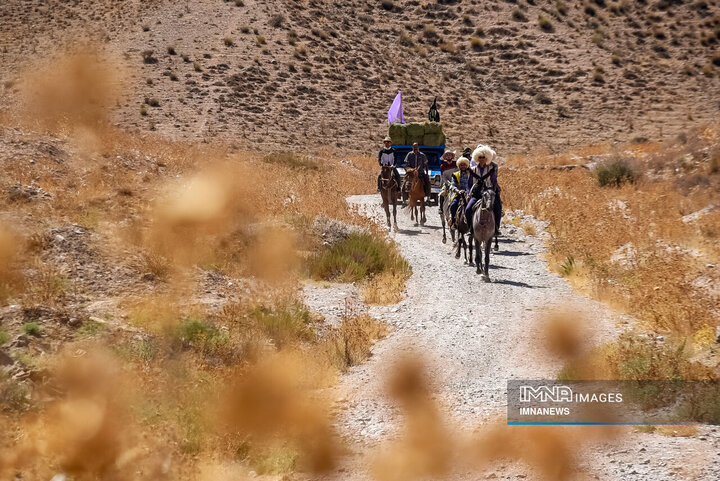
[422, 212]
[471, 236]
[442, 220]
[488, 244]
[460, 242]
[395, 226]
[478, 258]
[386, 206]
[497, 248]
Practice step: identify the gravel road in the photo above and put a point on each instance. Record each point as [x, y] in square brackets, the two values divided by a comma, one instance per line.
[474, 337]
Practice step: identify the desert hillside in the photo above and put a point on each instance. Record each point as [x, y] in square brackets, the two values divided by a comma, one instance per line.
[279, 74]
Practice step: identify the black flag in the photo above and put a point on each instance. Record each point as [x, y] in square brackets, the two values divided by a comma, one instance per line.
[433, 114]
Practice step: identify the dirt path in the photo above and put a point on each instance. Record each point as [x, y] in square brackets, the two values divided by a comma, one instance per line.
[474, 345]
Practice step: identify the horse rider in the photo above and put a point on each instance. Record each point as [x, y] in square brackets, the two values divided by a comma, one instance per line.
[387, 157]
[417, 160]
[485, 170]
[448, 163]
[467, 153]
[461, 183]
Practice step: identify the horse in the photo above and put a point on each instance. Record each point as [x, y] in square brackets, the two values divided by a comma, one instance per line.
[463, 228]
[389, 192]
[445, 214]
[483, 230]
[416, 194]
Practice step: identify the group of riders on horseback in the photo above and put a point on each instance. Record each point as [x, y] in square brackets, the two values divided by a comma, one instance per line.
[469, 199]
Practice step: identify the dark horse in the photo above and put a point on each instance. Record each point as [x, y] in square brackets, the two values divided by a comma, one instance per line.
[389, 192]
[463, 228]
[483, 229]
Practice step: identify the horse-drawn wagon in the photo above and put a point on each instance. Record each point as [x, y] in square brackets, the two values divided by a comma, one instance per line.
[430, 137]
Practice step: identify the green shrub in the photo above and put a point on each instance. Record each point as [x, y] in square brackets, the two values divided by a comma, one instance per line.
[200, 334]
[285, 323]
[32, 329]
[615, 173]
[356, 258]
[4, 336]
[567, 266]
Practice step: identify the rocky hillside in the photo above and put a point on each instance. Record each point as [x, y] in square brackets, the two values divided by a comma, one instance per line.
[294, 74]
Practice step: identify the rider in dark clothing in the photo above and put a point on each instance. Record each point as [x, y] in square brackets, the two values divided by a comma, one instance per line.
[387, 157]
[416, 159]
[485, 167]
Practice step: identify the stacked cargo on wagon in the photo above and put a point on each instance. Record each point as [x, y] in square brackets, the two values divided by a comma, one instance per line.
[430, 137]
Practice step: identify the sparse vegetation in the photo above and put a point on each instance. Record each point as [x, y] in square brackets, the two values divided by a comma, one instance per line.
[561, 7]
[32, 329]
[519, 16]
[277, 20]
[406, 40]
[229, 42]
[356, 258]
[545, 23]
[171, 50]
[615, 173]
[148, 57]
[291, 160]
[476, 43]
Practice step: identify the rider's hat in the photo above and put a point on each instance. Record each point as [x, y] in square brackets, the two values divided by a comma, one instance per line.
[483, 151]
[462, 160]
[387, 139]
[449, 152]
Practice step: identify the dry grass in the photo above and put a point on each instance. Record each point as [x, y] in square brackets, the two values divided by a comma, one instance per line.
[173, 212]
[589, 223]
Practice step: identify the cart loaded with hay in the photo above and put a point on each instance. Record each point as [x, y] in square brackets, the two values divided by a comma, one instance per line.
[430, 137]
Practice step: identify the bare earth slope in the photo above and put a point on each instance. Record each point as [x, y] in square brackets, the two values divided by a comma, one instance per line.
[474, 345]
[296, 74]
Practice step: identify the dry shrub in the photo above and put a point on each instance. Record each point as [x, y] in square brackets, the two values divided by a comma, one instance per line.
[385, 288]
[10, 275]
[636, 357]
[88, 433]
[273, 400]
[350, 343]
[565, 335]
[589, 223]
[426, 446]
[551, 452]
[74, 92]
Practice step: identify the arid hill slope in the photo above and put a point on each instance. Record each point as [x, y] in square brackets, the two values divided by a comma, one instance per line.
[284, 74]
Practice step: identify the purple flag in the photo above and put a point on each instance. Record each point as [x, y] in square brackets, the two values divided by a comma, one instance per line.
[395, 114]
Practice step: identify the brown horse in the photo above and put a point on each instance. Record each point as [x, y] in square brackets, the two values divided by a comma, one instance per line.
[416, 193]
[389, 193]
[484, 230]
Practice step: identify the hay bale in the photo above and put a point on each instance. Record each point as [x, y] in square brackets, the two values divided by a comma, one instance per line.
[397, 133]
[433, 128]
[415, 129]
[433, 140]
